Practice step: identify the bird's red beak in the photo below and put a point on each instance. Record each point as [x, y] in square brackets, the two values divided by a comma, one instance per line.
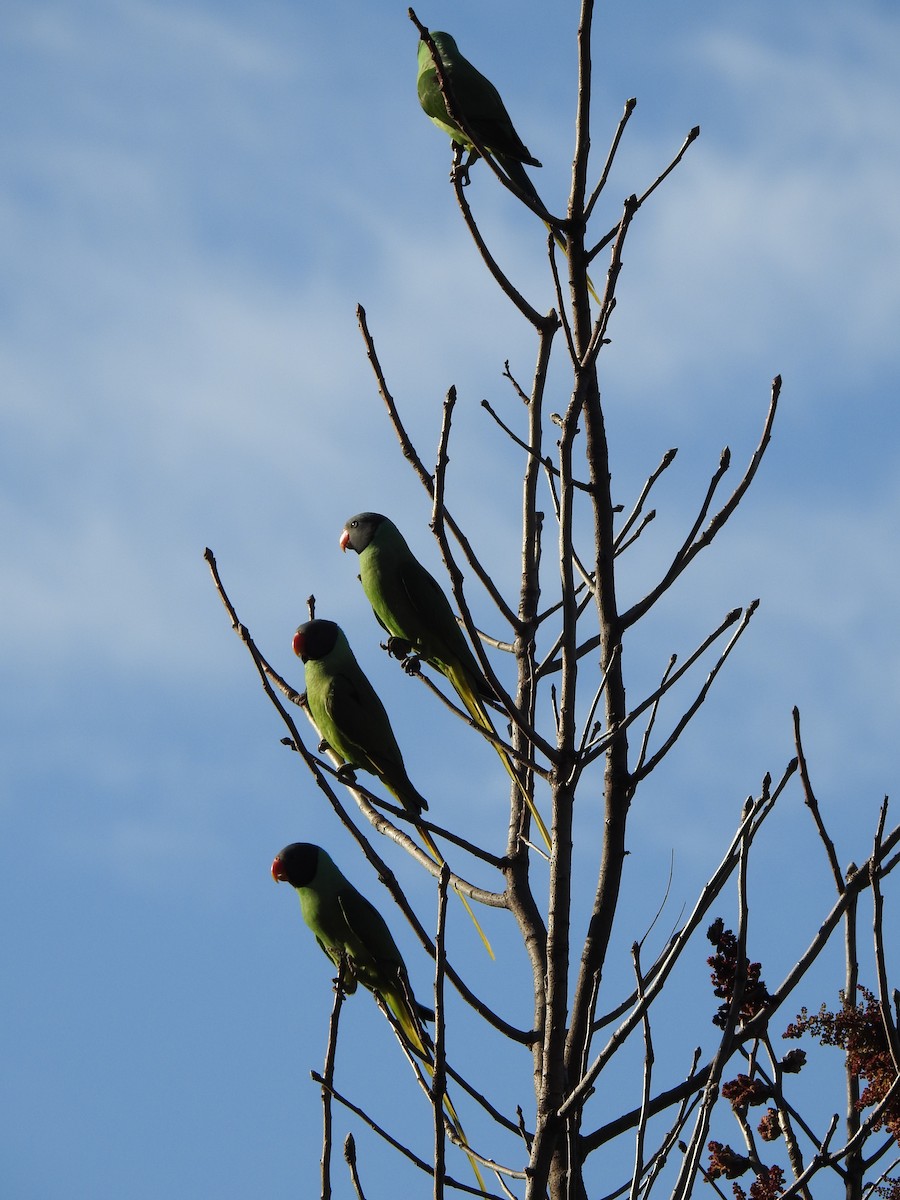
[297, 643]
[278, 870]
[345, 539]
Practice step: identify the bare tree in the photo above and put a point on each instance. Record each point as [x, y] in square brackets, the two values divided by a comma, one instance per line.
[572, 710]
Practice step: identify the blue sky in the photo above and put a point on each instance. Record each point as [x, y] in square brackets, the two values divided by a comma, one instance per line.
[193, 199]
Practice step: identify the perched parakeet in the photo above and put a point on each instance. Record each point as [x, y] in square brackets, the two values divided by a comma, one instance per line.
[351, 719]
[348, 713]
[347, 926]
[480, 107]
[410, 604]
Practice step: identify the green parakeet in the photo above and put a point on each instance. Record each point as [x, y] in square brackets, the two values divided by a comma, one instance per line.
[347, 926]
[351, 719]
[345, 923]
[410, 604]
[483, 110]
[348, 713]
[480, 107]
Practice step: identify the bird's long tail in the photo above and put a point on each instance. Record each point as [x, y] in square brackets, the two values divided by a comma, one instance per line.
[435, 853]
[439, 859]
[479, 715]
[401, 1006]
[456, 1126]
[563, 246]
[460, 1133]
[522, 180]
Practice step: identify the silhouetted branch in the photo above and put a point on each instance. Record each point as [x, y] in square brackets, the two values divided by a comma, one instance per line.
[693, 543]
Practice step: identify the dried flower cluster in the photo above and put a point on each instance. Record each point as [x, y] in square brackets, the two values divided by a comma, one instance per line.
[728, 974]
[744, 1092]
[769, 1181]
[858, 1030]
[768, 1185]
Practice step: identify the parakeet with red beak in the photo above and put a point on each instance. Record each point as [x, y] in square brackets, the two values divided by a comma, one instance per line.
[480, 107]
[346, 925]
[351, 929]
[348, 713]
[410, 604]
[351, 719]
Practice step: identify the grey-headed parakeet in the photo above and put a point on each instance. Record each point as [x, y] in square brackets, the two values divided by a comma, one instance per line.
[350, 928]
[348, 713]
[352, 721]
[411, 605]
[480, 107]
[347, 925]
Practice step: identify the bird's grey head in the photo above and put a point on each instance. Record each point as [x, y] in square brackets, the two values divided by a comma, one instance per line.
[315, 639]
[446, 45]
[359, 530]
[296, 864]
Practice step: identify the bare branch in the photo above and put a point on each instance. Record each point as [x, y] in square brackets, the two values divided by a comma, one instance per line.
[690, 712]
[667, 459]
[813, 805]
[425, 1167]
[693, 544]
[604, 241]
[630, 106]
[439, 1075]
[350, 1158]
[670, 679]
[412, 457]
[649, 1058]
[330, 1052]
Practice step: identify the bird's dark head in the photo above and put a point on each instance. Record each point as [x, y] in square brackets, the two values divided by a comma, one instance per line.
[296, 864]
[315, 639]
[360, 530]
[446, 45]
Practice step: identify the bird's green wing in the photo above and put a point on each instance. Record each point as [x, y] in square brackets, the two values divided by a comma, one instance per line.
[413, 606]
[362, 735]
[481, 105]
[375, 948]
[443, 642]
[359, 719]
[380, 966]
[335, 952]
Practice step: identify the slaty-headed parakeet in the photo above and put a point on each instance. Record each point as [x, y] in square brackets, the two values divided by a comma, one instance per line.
[483, 111]
[348, 713]
[352, 720]
[411, 605]
[347, 925]
[349, 928]
[480, 107]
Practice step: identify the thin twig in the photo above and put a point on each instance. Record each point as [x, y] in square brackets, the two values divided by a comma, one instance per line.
[651, 720]
[690, 1165]
[604, 241]
[523, 445]
[693, 543]
[630, 106]
[692, 709]
[812, 804]
[412, 457]
[439, 1076]
[330, 1053]
[649, 1059]
[423, 1166]
[667, 459]
[670, 679]
[350, 1158]
[890, 1029]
